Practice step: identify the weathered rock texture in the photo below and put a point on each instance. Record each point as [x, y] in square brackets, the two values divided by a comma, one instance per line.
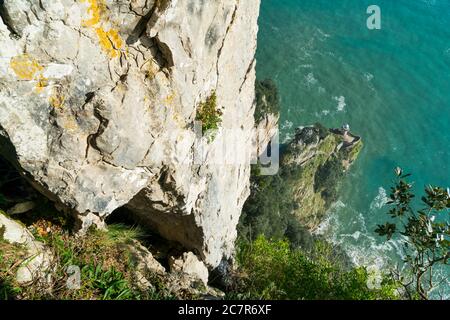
[266, 129]
[188, 263]
[97, 106]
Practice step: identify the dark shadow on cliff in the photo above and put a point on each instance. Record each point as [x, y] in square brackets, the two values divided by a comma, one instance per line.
[22, 202]
[160, 248]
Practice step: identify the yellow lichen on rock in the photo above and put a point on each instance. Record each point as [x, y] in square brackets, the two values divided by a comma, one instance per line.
[109, 38]
[96, 10]
[42, 83]
[25, 67]
[29, 69]
[69, 124]
[110, 41]
[115, 38]
[168, 100]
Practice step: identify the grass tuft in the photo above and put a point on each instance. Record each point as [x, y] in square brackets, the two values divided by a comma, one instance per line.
[103, 259]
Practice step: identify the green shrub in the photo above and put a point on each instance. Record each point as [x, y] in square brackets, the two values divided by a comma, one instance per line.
[328, 178]
[268, 210]
[9, 255]
[267, 100]
[110, 284]
[209, 114]
[425, 233]
[322, 130]
[273, 270]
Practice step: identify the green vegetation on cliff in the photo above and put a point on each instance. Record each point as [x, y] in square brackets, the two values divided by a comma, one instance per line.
[104, 260]
[312, 167]
[274, 270]
[209, 114]
[267, 99]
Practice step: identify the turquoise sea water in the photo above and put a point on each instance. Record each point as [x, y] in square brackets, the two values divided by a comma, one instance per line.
[391, 85]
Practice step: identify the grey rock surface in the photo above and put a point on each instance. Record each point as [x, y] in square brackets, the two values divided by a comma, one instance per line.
[188, 263]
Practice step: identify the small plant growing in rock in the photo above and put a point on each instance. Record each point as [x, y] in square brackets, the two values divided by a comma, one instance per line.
[209, 114]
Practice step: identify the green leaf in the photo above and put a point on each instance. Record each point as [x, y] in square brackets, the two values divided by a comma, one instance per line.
[388, 230]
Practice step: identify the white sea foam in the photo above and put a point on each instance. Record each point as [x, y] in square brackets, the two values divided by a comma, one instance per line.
[289, 134]
[380, 200]
[310, 79]
[361, 245]
[355, 235]
[322, 35]
[322, 113]
[287, 125]
[330, 222]
[341, 103]
[368, 76]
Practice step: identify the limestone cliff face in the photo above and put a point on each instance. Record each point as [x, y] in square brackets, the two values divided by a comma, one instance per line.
[98, 100]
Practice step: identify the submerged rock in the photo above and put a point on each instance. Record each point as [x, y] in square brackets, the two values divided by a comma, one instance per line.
[98, 101]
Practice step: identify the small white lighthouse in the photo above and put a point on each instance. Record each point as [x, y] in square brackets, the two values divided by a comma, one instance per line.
[346, 128]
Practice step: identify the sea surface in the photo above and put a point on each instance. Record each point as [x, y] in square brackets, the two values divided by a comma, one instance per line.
[391, 85]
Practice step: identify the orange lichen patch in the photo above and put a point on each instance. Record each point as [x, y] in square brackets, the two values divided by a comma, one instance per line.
[25, 67]
[110, 41]
[44, 227]
[96, 10]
